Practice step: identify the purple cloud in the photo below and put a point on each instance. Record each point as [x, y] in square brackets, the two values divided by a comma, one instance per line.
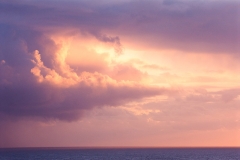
[34, 84]
[184, 25]
[30, 85]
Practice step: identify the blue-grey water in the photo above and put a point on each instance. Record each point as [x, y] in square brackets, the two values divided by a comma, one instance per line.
[121, 154]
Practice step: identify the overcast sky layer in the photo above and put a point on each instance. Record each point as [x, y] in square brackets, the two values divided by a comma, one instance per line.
[123, 73]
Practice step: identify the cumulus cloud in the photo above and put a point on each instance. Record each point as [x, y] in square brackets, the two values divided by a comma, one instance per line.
[41, 84]
[65, 96]
[36, 81]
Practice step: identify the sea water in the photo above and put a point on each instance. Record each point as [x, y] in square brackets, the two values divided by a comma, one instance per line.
[120, 154]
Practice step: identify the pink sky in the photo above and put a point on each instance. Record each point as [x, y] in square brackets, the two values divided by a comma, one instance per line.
[156, 73]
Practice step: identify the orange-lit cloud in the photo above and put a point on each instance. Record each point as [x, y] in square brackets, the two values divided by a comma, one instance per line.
[154, 73]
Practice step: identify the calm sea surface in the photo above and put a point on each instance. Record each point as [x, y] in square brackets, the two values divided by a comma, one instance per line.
[121, 154]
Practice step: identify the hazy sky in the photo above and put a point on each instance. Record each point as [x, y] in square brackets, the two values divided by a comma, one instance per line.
[119, 73]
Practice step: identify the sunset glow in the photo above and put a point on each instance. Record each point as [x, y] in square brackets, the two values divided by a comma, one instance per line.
[159, 73]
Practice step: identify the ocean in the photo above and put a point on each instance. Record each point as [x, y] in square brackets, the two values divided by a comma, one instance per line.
[120, 154]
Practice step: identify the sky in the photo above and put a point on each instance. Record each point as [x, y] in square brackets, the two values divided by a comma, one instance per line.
[129, 73]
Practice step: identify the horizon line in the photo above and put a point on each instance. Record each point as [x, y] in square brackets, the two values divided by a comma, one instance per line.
[123, 147]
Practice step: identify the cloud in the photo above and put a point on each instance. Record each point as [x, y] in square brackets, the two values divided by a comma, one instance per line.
[66, 96]
[36, 81]
[190, 26]
[230, 94]
[114, 40]
[127, 72]
[40, 84]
